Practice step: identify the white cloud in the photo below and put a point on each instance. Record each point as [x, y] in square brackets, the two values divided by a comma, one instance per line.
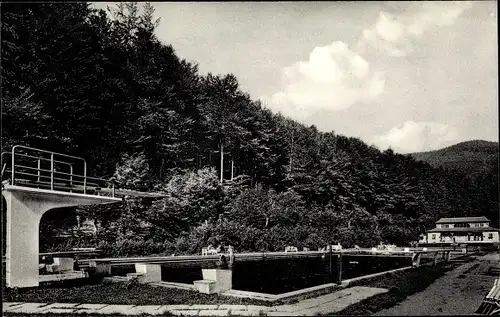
[336, 77]
[333, 78]
[419, 136]
[437, 14]
[395, 35]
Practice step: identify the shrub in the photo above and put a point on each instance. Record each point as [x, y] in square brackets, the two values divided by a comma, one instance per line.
[125, 247]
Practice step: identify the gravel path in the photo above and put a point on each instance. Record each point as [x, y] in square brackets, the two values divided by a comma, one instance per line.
[458, 292]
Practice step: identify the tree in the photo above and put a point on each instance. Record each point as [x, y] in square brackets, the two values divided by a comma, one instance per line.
[219, 111]
[133, 173]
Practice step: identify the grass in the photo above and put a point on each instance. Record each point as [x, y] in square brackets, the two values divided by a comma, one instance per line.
[294, 300]
[400, 285]
[118, 293]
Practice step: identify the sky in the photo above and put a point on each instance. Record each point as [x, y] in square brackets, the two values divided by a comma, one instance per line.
[412, 76]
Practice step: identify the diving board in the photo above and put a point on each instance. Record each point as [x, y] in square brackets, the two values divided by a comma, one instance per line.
[35, 181]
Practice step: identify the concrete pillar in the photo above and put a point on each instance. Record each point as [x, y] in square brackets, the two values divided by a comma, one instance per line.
[25, 207]
[23, 221]
[101, 267]
[447, 256]
[339, 269]
[152, 272]
[61, 265]
[64, 264]
[223, 279]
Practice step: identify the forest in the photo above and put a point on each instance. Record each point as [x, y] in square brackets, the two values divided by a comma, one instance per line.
[77, 81]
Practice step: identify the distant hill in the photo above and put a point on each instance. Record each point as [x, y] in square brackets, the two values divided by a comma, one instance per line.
[470, 157]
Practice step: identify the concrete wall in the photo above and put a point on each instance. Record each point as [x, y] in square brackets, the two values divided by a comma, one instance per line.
[470, 225]
[462, 238]
[437, 237]
[495, 237]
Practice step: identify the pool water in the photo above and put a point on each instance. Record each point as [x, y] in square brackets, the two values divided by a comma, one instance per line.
[359, 265]
[277, 276]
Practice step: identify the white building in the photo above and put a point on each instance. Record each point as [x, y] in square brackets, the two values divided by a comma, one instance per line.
[468, 230]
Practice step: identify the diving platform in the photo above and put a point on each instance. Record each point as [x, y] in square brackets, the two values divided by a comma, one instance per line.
[35, 181]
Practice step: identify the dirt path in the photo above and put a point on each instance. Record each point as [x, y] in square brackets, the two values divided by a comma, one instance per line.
[458, 292]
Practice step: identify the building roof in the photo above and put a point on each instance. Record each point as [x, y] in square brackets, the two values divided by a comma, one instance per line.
[479, 229]
[463, 219]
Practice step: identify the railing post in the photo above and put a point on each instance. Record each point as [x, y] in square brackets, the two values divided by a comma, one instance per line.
[339, 267]
[330, 262]
[52, 171]
[435, 258]
[71, 178]
[84, 177]
[113, 189]
[13, 164]
[39, 166]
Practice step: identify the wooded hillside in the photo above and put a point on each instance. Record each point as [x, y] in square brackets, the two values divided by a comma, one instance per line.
[471, 157]
[78, 82]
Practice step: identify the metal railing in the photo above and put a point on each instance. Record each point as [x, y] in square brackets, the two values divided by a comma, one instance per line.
[28, 167]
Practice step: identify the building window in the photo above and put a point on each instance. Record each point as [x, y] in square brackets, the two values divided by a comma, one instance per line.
[433, 237]
[490, 236]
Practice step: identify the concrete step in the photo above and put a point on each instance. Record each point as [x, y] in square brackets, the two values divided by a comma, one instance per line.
[205, 286]
[134, 275]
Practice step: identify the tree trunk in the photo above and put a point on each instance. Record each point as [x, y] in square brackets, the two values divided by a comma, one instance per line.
[252, 178]
[162, 161]
[232, 169]
[221, 162]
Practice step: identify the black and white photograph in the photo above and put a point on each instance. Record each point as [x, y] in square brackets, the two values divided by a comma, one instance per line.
[250, 158]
